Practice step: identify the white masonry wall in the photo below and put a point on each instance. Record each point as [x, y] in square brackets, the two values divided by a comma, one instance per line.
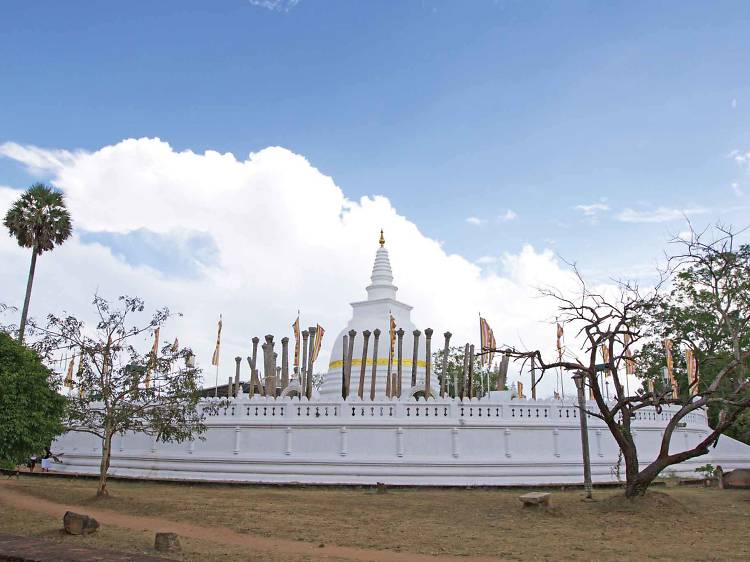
[442, 442]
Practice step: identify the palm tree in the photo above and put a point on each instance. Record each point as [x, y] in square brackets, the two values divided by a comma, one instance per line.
[40, 221]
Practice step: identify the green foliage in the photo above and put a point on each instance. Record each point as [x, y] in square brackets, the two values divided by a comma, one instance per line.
[707, 470]
[39, 219]
[121, 388]
[31, 409]
[454, 371]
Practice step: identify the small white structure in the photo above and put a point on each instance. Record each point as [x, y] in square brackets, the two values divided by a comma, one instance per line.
[495, 440]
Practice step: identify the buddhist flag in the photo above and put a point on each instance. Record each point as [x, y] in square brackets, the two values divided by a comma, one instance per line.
[560, 333]
[392, 335]
[605, 358]
[69, 376]
[692, 368]
[295, 328]
[152, 359]
[175, 346]
[670, 367]
[629, 363]
[217, 349]
[318, 342]
[519, 386]
[487, 341]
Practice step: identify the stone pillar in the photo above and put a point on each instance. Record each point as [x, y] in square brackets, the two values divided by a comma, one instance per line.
[415, 358]
[470, 392]
[305, 336]
[427, 361]
[308, 387]
[344, 357]
[464, 372]
[269, 366]
[533, 379]
[238, 361]
[277, 388]
[446, 351]
[375, 333]
[229, 388]
[399, 361]
[284, 362]
[502, 373]
[349, 357]
[363, 367]
[253, 361]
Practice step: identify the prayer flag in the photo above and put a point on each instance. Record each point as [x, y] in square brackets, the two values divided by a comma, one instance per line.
[392, 334]
[560, 333]
[295, 328]
[670, 367]
[318, 342]
[152, 360]
[487, 341]
[69, 376]
[692, 368]
[629, 363]
[175, 346]
[605, 358]
[217, 349]
[519, 386]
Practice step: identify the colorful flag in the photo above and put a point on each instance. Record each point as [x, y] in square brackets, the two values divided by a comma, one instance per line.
[519, 386]
[217, 349]
[692, 368]
[318, 342]
[560, 333]
[392, 334]
[487, 341]
[295, 328]
[152, 359]
[605, 358]
[69, 376]
[629, 363]
[175, 346]
[670, 367]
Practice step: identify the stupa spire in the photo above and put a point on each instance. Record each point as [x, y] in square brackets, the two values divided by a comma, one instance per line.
[381, 286]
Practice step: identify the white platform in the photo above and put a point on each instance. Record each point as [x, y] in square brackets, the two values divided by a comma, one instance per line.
[441, 442]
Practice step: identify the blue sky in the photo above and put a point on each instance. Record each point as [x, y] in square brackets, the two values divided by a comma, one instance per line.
[450, 109]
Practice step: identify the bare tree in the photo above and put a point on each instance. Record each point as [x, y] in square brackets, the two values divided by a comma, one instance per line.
[714, 275]
[119, 388]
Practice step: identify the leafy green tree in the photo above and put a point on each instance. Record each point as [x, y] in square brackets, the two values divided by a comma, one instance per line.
[454, 373]
[708, 312]
[121, 389]
[40, 221]
[31, 409]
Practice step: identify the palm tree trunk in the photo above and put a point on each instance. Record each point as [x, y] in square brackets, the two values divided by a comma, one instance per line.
[29, 282]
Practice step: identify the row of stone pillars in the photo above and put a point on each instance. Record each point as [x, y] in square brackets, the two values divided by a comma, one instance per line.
[276, 378]
[393, 381]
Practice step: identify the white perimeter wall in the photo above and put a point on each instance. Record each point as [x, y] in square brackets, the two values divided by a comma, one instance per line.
[442, 442]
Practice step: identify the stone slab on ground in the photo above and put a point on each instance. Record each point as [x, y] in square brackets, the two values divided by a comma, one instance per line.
[27, 549]
[535, 499]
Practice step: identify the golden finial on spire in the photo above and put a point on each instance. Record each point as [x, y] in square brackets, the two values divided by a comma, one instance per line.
[382, 239]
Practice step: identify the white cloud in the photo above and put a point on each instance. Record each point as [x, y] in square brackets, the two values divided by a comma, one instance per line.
[476, 221]
[508, 215]
[286, 238]
[486, 260]
[661, 214]
[736, 189]
[593, 209]
[275, 5]
[742, 158]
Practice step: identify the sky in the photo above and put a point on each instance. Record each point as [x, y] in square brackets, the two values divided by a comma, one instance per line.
[241, 156]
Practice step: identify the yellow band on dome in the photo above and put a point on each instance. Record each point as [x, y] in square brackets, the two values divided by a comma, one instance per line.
[381, 361]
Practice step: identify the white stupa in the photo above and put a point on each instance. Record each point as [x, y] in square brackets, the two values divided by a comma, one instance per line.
[370, 314]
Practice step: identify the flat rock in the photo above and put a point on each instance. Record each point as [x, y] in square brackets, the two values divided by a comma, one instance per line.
[79, 524]
[738, 478]
[167, 542]
[535, 499]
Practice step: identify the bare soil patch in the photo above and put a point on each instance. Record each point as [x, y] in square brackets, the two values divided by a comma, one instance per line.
[677, 524]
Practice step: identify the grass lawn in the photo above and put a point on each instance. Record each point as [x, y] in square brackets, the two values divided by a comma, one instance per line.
[677, 523]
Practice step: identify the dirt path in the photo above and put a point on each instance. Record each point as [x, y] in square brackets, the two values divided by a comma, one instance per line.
[220, 535]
